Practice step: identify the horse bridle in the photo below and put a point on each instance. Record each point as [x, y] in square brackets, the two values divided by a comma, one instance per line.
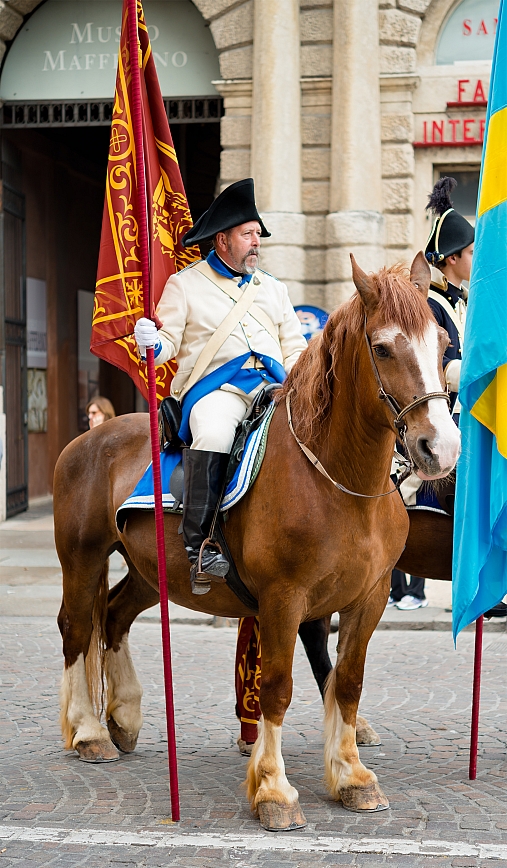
[399, 423]
[399, 413]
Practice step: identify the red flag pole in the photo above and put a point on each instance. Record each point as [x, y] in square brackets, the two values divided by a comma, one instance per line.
[152, 403]
[474, 735]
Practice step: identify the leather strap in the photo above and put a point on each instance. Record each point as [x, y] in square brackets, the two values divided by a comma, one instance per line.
[223, 331]
[233, 291]
[233, 578]
[451, 313]
[320, 467]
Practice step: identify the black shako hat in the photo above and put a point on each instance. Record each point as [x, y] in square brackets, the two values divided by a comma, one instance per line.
[450, 232]
[235, 205]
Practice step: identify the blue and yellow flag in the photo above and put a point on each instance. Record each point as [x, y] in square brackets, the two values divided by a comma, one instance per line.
[480, 523]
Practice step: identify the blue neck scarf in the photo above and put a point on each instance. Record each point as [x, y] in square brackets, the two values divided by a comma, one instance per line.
[219, 266]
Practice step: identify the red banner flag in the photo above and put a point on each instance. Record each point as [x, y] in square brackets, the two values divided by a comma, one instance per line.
[119, 289]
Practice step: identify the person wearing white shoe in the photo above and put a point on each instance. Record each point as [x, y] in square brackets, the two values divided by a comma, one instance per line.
[402, 591]
[408, 602]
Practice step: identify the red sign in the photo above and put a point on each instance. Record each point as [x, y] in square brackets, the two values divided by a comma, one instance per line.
[458, 132]
[482, 27]
[452, 133]
[470, 94]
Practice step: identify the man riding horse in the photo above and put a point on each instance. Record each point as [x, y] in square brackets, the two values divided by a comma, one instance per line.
[232, 329]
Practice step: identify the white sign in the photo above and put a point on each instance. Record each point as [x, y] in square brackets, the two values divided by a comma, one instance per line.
[68, 49]
[36, 323]
[469, 33]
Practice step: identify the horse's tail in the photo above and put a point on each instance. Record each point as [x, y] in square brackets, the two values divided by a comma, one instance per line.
[94, 663]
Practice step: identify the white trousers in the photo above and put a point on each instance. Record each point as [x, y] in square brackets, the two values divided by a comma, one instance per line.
[214, 419]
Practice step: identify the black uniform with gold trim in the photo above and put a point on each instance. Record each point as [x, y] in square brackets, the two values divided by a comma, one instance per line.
[450, 234]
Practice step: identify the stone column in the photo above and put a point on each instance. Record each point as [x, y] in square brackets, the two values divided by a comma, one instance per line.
[398, 162]
[276, 139]
[3, 462]
[355, 223]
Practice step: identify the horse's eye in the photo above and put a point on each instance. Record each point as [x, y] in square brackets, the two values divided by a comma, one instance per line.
[381, 352]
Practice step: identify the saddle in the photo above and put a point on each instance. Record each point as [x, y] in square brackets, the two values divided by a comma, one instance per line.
[169, 422]
[169, 419]
[252, 420]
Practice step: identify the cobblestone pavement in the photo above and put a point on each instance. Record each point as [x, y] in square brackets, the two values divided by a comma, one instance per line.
[417, 694]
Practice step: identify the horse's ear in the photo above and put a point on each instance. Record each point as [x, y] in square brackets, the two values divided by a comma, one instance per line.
[365, 286]
[420, 274]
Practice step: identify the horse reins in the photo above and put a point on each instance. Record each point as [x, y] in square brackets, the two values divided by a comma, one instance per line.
[401, 427]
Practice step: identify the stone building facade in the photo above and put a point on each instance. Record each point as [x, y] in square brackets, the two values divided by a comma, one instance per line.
[345, 112]
[336, 109]
[322, 101]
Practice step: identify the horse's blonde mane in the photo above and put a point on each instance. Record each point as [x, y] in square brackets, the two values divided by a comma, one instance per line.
[311, 380]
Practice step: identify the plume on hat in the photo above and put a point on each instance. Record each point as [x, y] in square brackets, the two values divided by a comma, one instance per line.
[440, 198]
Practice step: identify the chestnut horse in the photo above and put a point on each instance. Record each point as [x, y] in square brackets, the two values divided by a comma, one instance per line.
[303, 547]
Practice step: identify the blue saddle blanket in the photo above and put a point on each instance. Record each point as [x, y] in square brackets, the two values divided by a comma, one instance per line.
[142, 497]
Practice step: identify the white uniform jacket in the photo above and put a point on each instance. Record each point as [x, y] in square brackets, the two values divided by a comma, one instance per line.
[191, 308]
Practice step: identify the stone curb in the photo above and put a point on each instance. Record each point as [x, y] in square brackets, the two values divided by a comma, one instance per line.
[437, 620]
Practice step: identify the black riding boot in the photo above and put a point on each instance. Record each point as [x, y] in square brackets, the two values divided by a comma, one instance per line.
[203, 474]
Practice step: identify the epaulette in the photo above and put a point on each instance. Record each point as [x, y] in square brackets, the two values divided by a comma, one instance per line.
[191, 265]
[268, 274]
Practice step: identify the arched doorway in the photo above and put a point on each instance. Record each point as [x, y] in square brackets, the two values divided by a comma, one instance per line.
[57, 86]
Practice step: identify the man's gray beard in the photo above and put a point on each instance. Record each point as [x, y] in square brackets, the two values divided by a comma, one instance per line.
[242, 267]
[249, 269]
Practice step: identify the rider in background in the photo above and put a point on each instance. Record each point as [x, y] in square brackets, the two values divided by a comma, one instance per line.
[449, 252]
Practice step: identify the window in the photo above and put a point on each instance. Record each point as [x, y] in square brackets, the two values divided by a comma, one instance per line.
[464, 196]
[469, 32]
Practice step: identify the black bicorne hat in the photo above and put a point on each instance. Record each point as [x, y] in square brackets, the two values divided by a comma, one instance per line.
[451, 232]
[235, 205]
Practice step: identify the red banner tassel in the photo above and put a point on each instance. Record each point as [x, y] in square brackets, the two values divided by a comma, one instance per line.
[248, 677]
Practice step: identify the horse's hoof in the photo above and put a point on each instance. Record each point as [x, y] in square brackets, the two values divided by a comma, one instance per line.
[97, 752]
[366, 800]
[281, 818]
[365, 734]
[123, 741]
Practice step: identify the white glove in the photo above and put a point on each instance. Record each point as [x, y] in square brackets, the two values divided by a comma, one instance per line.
[146, 334]
[452, 374]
